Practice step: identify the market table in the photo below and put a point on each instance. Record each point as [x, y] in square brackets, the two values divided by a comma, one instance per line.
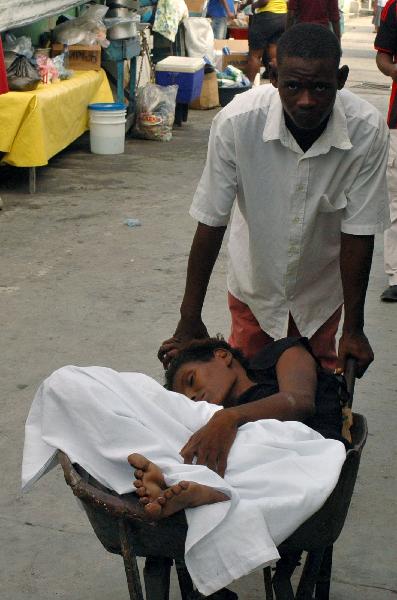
[37, 125]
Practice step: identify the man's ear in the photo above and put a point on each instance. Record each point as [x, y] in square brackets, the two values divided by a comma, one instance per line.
[224, 355]
[273, 75]
[343, 74]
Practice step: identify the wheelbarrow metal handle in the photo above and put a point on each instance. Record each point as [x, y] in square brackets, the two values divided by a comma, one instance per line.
[350, 376]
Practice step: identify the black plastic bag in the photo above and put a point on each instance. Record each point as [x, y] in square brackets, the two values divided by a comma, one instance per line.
[22, 75]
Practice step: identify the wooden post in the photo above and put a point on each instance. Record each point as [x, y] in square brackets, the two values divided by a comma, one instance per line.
[130, 564]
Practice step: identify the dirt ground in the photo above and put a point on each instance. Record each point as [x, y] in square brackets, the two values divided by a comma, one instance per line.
[77, 285]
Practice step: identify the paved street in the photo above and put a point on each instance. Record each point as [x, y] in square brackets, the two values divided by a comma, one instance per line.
[79, 286]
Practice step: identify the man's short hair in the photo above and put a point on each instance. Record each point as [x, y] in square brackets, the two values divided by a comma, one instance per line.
[200, 351]
[309, 41]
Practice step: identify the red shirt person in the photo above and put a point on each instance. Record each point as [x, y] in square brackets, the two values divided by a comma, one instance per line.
[386, 45]
[322, 12]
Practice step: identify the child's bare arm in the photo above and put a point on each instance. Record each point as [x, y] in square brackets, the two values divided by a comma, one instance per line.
[297, 379]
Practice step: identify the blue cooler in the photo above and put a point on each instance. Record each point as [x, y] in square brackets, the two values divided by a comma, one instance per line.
[185, 72]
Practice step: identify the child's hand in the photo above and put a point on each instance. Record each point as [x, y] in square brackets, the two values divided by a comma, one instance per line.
[211, 444]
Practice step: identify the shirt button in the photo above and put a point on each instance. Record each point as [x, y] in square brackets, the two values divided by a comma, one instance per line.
[300, 188]
[296, 220]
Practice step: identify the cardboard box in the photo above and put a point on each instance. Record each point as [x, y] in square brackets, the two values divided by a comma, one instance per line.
[233, 45]
[209, 97]
[196, 7]
[81, 58]
[238, 56]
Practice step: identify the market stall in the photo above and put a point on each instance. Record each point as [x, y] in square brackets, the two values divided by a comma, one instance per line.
[41, 119]
[37, 124]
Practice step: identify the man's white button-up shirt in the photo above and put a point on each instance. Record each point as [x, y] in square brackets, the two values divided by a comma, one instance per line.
[291, 206]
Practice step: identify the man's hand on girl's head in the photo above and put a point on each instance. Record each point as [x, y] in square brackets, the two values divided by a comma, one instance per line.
[186, 331]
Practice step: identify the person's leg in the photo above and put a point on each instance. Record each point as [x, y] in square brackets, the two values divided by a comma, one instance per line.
[265, 63]
[276, 27]
[256, 45]
[219, 27]
[246, 333]
[323, 341]
[271, 51]
[254, 63]
[390, 237]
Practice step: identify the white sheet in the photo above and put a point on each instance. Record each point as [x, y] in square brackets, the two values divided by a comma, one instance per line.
[278, 474]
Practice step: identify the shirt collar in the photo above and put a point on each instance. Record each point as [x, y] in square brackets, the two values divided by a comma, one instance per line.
[335, 134]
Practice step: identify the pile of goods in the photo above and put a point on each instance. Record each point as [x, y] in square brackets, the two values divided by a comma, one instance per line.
[155, 112]
[232, 77]
[121, 19]
[87, 30]
[27, 67]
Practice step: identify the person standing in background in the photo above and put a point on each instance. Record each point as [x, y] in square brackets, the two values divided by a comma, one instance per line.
[268, 23]
[219, 11]
[322, 12]
[378, 7]
[386, 45]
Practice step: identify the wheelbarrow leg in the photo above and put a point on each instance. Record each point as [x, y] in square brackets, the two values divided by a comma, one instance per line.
[324, 576]
[130, 564]
[185, 582]
[282, 578]
[267, 577]
[309, 576]
[157, 577]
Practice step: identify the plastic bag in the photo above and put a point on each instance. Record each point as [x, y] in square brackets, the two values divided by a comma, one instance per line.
[87, 29]
[22, 45]
[155, 112]
[199, 38]
[22, 75]
[47, 69]
[59, 63]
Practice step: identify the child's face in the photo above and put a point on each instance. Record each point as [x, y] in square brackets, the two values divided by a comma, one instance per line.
[211, 381]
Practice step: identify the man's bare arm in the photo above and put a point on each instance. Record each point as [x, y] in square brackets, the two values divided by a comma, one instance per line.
[203, 254]
[386, 65]
[229, 13]
[355, 265]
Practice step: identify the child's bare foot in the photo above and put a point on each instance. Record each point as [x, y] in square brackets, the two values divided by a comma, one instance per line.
[185, 494]
[149, 481]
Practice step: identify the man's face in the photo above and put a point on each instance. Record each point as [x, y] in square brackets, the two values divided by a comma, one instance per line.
[308, 89]
[210, 381]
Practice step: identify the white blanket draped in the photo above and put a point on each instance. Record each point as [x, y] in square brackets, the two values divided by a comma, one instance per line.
[278, 473]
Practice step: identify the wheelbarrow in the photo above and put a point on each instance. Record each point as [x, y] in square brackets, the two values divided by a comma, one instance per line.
[121, 525]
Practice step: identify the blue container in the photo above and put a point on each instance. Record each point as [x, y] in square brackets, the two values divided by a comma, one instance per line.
[186, 72]
[189, 84]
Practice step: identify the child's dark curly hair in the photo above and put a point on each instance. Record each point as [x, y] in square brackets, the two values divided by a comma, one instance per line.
[200, 351]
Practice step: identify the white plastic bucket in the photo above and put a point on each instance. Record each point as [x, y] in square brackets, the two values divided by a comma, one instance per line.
[107, 128]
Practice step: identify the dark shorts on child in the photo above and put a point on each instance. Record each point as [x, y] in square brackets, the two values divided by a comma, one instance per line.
[265, 28]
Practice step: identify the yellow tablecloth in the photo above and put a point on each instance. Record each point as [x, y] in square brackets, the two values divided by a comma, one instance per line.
[36, 125]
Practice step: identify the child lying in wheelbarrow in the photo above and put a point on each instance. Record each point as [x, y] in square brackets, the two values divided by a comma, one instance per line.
[283, 382]
[266, 476]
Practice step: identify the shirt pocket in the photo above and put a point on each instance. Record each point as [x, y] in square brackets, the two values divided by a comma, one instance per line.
[327, 206]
